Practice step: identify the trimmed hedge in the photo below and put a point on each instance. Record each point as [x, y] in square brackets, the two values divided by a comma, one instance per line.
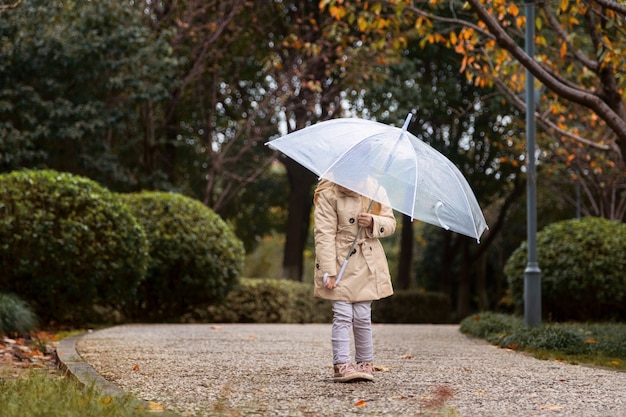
[195, 259]
[508, 331]
[582, 266]
[413, 306]
[257, 300]
[16, 317]
[67, 244]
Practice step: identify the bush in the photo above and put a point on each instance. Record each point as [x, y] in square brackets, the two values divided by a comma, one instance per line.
[582, 264]
[257, 300]
[16, 317]
[511, 332]
[67, 244]
[491, 326]
[195, 259]
[413, 306]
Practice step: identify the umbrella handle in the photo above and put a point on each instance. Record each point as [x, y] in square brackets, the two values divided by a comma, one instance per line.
[341, 271]
[339, 275]
[437, 207]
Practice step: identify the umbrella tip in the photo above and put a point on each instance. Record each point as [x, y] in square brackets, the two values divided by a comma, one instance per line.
[407, 121]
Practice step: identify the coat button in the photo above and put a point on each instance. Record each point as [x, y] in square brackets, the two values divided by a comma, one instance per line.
[353, 252]
[317, 266]
[382, 230]
[351, 220]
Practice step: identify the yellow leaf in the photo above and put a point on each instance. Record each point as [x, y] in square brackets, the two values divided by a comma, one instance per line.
[407, 356]
[615, 362]
[550, 407]
[155, 407]
[479, 393]
[381, 368]
[360, 403]
[563, 50]
[338, 12]
[453, 38]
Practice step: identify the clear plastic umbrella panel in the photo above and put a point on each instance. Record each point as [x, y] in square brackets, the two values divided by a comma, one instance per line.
[409, 175]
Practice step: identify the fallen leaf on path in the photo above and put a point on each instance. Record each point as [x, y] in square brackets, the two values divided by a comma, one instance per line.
[590, 340]
[136, 368]
[407, 356]
[479, 393]
[614, 362]
[381, 368]
[217, 327]
[251, 336]
[155, 407]
[550, 407]
[399, 397]
[360, 403]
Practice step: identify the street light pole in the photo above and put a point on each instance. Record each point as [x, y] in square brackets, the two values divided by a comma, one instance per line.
[532, 273]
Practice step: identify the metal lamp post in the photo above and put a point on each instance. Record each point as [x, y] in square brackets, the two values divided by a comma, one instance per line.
[532, 273]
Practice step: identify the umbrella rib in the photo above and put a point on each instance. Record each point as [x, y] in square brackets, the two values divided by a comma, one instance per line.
[468, 207]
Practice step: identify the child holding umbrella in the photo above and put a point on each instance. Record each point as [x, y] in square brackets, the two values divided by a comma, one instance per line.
[347, 226]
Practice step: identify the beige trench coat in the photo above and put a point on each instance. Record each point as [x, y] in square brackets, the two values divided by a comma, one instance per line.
[367, 275]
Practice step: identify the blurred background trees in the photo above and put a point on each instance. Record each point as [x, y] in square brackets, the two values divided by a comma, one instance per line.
[181, 96]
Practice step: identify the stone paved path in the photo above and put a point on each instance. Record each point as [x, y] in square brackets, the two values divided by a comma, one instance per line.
[285, 369]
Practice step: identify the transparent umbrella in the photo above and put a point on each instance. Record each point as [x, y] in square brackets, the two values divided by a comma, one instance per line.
[412, 177]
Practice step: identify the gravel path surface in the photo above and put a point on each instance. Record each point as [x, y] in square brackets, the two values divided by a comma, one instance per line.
[285, 370]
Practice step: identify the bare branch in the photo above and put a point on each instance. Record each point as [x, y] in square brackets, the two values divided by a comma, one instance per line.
[542, 119]
[9, 6]
[612, 5]
[584, 98]
[554, 24]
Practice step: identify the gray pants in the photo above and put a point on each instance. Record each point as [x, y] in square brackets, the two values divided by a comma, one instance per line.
[358, 318]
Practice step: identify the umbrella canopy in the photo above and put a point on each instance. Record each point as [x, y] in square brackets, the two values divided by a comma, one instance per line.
[411, 176]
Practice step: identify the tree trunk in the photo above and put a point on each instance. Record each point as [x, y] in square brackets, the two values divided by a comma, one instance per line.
[463, 297]
[300, 201]
[406, 254]
[445, 284]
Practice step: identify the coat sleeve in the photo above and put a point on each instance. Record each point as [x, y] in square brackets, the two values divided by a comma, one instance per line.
[384, 223]
[325, 233]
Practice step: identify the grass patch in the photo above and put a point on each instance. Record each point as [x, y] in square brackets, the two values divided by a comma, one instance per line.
[42, 394]
[598, 344]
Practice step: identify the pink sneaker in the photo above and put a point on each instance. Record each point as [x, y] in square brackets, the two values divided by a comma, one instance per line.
[346, 372]
[365, 368]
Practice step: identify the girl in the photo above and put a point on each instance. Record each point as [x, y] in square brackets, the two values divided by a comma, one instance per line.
[339, 215]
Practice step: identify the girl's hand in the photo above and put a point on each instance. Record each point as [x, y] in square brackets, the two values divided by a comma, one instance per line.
[330, 283]
[365, 220]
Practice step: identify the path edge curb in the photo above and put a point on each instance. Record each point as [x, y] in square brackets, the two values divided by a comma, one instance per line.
[74, 366]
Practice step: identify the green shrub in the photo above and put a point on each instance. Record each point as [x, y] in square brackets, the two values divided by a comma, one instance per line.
[16, 317]
[67, 244]
[511, 332]
[582, 266]
[195, 259]
[491, 326]
[257, 300]
[413, 306]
